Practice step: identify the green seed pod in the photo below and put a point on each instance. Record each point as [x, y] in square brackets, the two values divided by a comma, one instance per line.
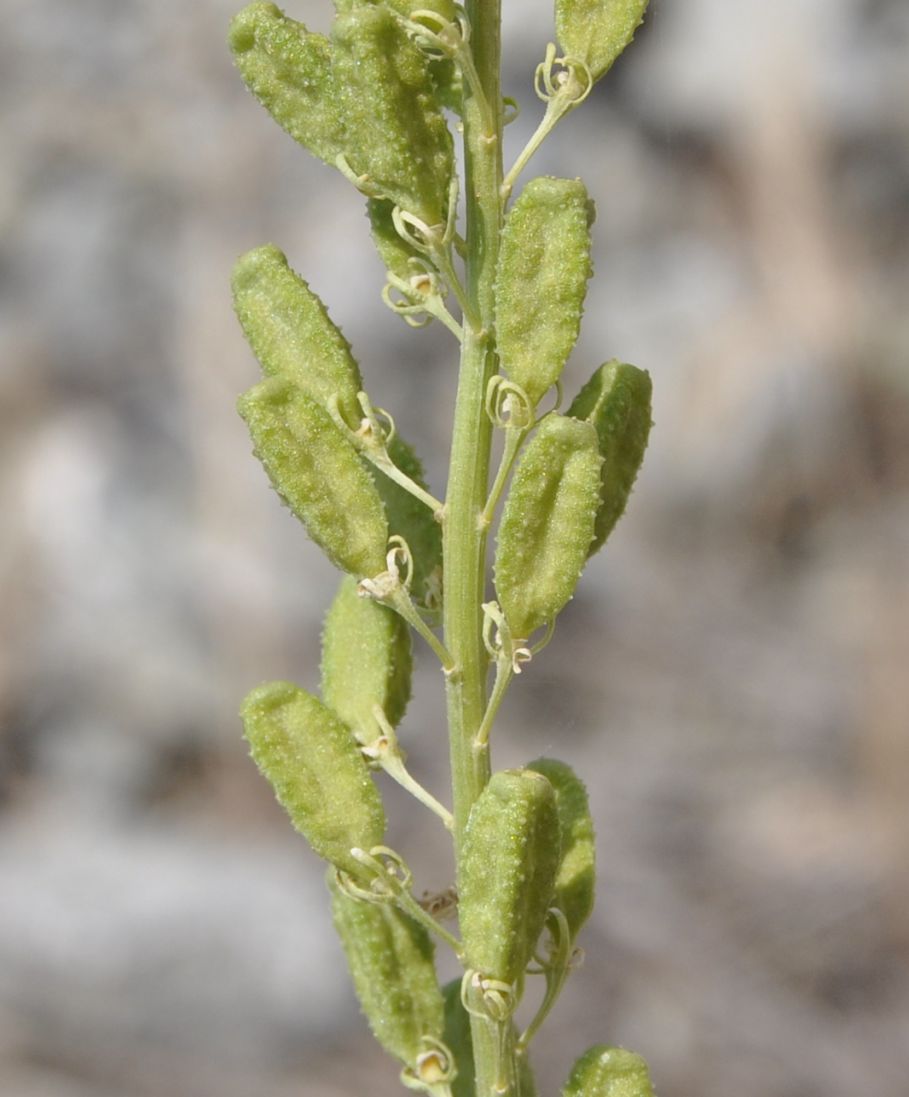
[597, 31]
[547, 523]
[391, 961]
[396, 135]
[576, 877]
[541, 281]
[393, 250]
[508, 865]
[319, 474]
[291, 333]
[366, 661]
[316, 769]
[289, 70]
[609, 1072]
[616, 401]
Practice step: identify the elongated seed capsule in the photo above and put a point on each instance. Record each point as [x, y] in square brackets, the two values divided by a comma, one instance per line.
[396, 135]
[391, 961]
[617, 402]
[541, 281]
[609, 1072]
[547, 523]
[291, 333]
[597, 31]
[316, 769]
[576, 878]
[366, 661]
[507, 871]
[289, 70]
[319, 474]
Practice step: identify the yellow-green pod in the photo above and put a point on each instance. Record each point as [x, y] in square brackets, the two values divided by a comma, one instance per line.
[391, 961]
[289, 70]
[291, 333]
[597, 31]
[541, 281]
[396, 135]
[547, 523]
[617, 402]
[366, 661]
[576, 878]
[316, 769]
[609, 1072]
[319, 474]
[507, 870]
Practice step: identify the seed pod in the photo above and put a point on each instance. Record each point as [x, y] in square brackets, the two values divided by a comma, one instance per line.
[576, 877]
[391, 961]
[616, 401]
[319, 474]
[508, 865]
[541, 281]
[366, 661]
[316, 769]
[393, 250]
[396, 135]
[547, 523]
[291, 333]
[289, 70]
[597, 31]
[609, 1072]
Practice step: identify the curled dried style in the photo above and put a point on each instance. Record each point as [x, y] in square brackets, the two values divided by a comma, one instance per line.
[373, 99]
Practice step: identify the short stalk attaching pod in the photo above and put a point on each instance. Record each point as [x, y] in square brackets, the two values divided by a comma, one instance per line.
[596, 32]
[609, 1072]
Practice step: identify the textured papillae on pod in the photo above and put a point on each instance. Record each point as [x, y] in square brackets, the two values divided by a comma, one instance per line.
[316, 769]
[396, 137]
[319, 475]
[609, 1072]
[391, 961]
[597, 31]
[575, 880]
[541, 281]
[547, 523]
[366, 661]
[291, 333]
[617, 402]
[507, 871]
[289, 70]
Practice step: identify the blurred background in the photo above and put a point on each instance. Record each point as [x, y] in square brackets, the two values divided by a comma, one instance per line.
[732, 680]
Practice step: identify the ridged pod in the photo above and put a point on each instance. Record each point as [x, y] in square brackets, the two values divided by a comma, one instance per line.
[576, 877]
[366, 661]
[541, 281]
[617, 402]
[289, 70]
[609, 1072]
[291, 333]
[597, 31]
[507, 871]
[547, 523]
[316, 769]
[395, 133]
[319, 475]
[391, 961]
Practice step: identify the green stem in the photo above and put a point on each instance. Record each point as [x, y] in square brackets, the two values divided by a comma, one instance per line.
[556, 109]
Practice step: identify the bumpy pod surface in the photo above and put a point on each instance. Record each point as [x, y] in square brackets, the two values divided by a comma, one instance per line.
[366, 661]
[291, 333]
[508, 866]
[396, 135]
[289, 70]
[576, 878]
[316, 769]
[597, 31]
[609, 1072]
[547, 523]
[617, 402]
[391, 961]
[541, 281]
[319, 475]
